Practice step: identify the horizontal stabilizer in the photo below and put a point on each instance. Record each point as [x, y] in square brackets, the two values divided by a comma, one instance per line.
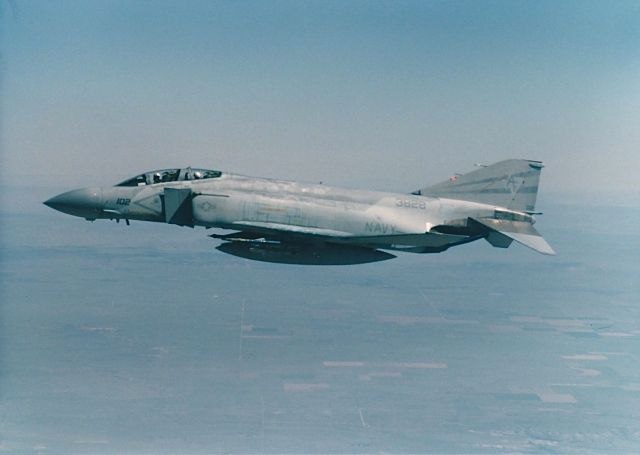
[520, 231]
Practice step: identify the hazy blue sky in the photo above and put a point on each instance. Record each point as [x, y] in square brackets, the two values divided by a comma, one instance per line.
[383, 94]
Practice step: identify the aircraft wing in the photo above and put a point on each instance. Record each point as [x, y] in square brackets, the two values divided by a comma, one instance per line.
[283, 229]
[252, 231]
[405, 241]
[279, 231]
[272, 242]
[501, 234]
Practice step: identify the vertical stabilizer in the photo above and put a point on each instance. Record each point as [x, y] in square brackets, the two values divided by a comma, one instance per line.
[512, 184]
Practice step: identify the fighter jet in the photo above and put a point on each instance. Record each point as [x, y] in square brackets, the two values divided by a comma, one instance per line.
[298, 223]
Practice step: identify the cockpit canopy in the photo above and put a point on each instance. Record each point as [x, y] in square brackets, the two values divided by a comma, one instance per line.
[170, 175]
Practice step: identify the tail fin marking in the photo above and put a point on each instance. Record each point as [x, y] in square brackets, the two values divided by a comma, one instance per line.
[512, 184]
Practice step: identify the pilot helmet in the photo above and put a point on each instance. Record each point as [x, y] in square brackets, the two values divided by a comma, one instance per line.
[197, 175]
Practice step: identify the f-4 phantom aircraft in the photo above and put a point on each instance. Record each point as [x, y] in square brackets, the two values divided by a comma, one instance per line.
[315, 224]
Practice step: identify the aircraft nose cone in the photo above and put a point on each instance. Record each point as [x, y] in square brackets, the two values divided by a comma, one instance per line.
[85, 202]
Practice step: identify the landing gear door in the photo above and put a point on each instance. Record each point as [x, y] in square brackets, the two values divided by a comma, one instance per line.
[177, 206]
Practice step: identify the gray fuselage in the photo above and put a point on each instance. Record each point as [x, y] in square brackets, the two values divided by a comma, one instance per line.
[235, 202]
[291, 222]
